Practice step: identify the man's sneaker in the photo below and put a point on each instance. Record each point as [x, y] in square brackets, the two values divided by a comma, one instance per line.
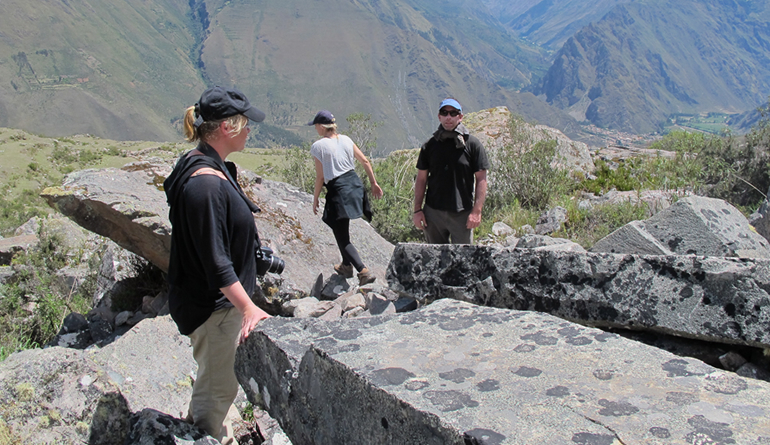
[365, 277]
[346, 270]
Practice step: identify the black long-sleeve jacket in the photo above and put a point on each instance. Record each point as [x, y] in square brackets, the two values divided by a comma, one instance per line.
[212, 238]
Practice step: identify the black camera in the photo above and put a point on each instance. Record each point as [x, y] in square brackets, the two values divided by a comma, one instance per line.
[267, 262]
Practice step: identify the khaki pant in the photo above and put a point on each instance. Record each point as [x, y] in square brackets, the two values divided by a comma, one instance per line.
[442, 225]
[214, 344]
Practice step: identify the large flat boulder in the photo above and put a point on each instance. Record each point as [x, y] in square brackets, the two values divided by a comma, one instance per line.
[707, 298]
[127, 206]
[457, 373]
[693, 225]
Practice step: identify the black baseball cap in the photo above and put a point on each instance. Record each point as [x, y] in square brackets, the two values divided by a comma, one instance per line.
[220, 103]
[323, 117]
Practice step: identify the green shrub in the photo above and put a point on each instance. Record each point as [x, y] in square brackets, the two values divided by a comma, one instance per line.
[393, 213]
[363, 132]
[587, 226]
[62, 154]
[15, 211]
[89, 158]
[681, 142]
[32, 303]
[525, 175]
[299, 169]
[514, 215]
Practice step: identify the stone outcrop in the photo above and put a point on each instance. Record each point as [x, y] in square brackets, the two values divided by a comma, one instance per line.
[693, 225]
[456, 373]
[492, 127]
[715, 299]
[124, 206]
[127, 206]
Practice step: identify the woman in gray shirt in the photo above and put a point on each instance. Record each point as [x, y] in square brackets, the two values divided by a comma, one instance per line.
[345, 196]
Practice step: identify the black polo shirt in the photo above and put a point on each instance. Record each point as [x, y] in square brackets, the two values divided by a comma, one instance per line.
[451, 172]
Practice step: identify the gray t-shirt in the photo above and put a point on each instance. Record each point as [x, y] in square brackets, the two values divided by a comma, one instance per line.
[336, 155]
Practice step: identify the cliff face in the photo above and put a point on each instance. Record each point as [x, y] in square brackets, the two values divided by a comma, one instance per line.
[645, 61]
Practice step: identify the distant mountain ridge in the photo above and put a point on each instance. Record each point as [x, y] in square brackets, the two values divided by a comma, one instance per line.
[393, 60]
[646, 60]
[549, 22]
[127, 70]
[118, 69]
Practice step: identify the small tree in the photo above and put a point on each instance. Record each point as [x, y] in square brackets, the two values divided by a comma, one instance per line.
[363, 132]
[299, 169]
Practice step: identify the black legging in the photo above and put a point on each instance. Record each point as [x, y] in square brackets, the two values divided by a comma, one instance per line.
[341, 230]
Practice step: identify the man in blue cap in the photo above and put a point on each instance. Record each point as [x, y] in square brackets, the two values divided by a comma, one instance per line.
[451, 179]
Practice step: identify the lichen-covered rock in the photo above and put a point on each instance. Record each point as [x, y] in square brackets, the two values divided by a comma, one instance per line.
[708, 298]
[456, 373]
[152, 427]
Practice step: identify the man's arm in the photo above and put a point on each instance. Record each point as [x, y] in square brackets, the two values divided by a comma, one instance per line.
[474, 219]
[418, 218]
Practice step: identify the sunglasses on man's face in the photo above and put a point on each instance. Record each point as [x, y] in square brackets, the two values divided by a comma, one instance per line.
[453, 113]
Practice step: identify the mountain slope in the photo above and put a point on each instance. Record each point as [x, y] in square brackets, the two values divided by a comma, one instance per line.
[549, 22]
[117, 69]
[127, 70]
[395, 60]
[646, 60]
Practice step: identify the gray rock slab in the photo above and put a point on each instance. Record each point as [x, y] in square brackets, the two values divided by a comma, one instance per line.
[544, 242]
[693, 225]
[631, 238]
[707, 298]
[60, 395]
[457, 373]
[124, 206]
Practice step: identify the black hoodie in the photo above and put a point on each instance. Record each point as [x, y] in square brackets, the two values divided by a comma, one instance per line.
[212, 239]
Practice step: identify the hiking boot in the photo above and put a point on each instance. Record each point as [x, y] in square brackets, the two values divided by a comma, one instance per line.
[365, 277]
[345, 270]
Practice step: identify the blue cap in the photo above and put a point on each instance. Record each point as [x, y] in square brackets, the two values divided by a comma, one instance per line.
[323, 117]
[452, 103]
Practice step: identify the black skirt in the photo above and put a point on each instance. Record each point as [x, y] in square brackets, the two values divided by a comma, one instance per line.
[346, 199]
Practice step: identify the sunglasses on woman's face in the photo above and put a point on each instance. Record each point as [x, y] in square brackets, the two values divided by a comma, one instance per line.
[453, 113]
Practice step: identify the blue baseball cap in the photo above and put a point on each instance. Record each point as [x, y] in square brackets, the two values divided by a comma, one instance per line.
[323, 117]
[452, 103]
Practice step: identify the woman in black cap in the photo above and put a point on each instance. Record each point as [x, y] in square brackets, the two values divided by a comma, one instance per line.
[345, 196]
[212, 268]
